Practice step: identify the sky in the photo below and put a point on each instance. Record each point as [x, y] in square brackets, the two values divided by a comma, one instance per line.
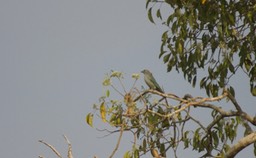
[54, 55]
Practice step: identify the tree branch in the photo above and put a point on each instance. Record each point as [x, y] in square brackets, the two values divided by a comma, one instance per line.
[70, 155]
[118, 142]
[239, 109]
[52, 148]
[242, 143]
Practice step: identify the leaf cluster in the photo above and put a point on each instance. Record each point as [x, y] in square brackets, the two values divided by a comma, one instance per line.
[216, 37]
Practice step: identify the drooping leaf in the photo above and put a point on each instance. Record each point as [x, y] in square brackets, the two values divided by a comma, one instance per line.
[147, 3]
[127, 154]
[194, 81]
[150, 16]
[158, 14]
[166, 58]
[89, 119]
[253, 90]
[107, 93]
[103, 112]
[136, 153]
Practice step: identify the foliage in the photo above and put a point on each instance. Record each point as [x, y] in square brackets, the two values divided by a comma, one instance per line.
[208, 41]
[162, 123]
[213, 35]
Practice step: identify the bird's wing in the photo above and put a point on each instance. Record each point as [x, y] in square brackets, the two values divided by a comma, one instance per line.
[153, 80]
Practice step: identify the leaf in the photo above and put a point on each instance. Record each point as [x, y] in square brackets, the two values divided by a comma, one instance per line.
[103, 112]
[215, 139]
[179, 47]
[170, 19]
[144, 145]
[254, 144]
[253, 90]
[136, 76]
[147, 3]
[231, 68]
[166, 58]
[154, 153]
[150, 16]
[203, 82]
[106, 81]
[89, 119]
[158, 14]
[107, 93]
[194, 82]
[127, 155]
[136, 153]
[203, 1]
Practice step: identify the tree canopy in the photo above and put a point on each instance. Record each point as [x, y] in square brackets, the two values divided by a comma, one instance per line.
[216, 36]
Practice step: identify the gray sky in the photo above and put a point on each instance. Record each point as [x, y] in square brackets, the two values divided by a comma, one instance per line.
[53, 57]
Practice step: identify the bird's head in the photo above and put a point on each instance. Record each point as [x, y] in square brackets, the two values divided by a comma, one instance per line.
[145, 71]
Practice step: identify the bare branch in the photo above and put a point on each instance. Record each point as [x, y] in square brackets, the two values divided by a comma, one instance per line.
[241, 144]
[52, 148]
[70, 155]
[118, 142]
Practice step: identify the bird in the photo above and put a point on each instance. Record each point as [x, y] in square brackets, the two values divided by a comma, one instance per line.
[151, 81]
[187, 96]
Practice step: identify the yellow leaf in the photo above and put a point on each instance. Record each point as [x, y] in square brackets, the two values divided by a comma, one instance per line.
[89, 119]
[103, 111]
[203, 1]
[154, 153]
[106, 81]
[180, 48]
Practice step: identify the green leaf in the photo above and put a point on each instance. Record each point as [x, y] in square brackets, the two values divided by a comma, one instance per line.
[89, 119]
[170, 19]
[215, 139]
[166, 58]
[150, 16]
[194, 82]
[147, 3]
[136, 153]
[203, 82]
[162, 149]
[144, 145]
[231, 68]
[158, 14]
[107, 93]
[253, 90]
[254, 144]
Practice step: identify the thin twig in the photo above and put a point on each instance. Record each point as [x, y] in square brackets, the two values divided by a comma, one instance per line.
[118, 141]
[52, 148]
[70, 155]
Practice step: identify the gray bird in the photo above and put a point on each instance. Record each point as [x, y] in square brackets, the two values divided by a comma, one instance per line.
[151, 81]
